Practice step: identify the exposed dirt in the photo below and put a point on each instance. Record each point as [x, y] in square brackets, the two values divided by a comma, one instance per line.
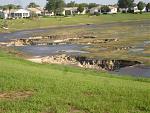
[85, 62]
[15, 95]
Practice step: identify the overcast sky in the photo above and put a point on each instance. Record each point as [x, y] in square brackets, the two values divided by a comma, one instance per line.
[42, 2]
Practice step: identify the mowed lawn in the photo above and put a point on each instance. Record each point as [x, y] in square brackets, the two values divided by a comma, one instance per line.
[21, 24]
[27, 87]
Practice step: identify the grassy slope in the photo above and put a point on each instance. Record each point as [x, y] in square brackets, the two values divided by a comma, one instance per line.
[60, 89]
[21, 24]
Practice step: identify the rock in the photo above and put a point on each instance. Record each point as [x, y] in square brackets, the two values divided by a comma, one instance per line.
[90, 63]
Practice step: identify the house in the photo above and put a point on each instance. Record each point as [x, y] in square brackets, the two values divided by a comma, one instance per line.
[148, 10]
[20, 13]
[95, 10]
[70, 10]
[113, 10]
[38, 10]
[47, 13]
[14, 13]
[135, 9]
[73, 10]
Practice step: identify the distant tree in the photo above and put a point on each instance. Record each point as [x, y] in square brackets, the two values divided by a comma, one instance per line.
[10, 7]
[71, 4]
[80, 8]
[33, 15]
[84, 4]
[105, 9]
[60, 7]
[1, 7]
[4, 8]
[91, 5]
[148, 7]
[32, 5]
[18, 7]
[141, 6]
[55, 6]
[125, 4]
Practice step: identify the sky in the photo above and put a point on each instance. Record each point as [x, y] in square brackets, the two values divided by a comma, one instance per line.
[43, 2]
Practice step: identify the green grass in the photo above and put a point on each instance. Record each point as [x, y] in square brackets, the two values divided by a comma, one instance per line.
[21, 24]
[63, 89]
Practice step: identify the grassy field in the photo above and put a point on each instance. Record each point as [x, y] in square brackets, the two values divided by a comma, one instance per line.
[26, 87]
[21, 24]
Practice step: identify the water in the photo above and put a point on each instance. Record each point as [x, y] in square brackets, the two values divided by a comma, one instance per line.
[38, 51]
[136, 71]
[46, 50]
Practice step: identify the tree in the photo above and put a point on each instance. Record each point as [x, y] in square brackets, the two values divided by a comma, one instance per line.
[55, 6]
[80, 8]
[91, 5]
[141, 6]
[71, 4]
[60, 7]
[84, 4]
[105, 9]
[32, 5]
[148, 7]
[18, 7]
[125, 4]
[10, 7]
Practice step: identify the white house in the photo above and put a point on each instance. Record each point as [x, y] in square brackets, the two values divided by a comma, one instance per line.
[20, 13]
[113, 10]
[73, 10]
[47, 13]
[38, 10]
[70, 10]
[14, 13]
[135, 9]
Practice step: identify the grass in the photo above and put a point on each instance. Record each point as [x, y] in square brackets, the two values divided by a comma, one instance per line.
[63, 89]
[21, 24]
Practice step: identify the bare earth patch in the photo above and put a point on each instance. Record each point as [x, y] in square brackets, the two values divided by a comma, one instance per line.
[15, 95]
[74, 109]
[2, 111]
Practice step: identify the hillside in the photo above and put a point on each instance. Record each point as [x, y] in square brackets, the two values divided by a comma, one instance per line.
[27, 87]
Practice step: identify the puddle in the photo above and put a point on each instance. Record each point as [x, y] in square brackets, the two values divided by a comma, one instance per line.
[136, 50]
[72, 51]
[136, 71]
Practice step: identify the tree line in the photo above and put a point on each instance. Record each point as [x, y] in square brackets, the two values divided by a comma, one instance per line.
[57, 6]
[129, 4]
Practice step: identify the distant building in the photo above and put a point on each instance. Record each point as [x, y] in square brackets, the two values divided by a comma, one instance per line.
[73, 10]
[132, 10]
[38, 10]
[97, 10]
[135, 9]
[14, 13]
[113, 10]
[47, 13]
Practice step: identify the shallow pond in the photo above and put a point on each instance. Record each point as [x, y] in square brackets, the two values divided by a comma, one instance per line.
[52, 49]
[136, 71]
